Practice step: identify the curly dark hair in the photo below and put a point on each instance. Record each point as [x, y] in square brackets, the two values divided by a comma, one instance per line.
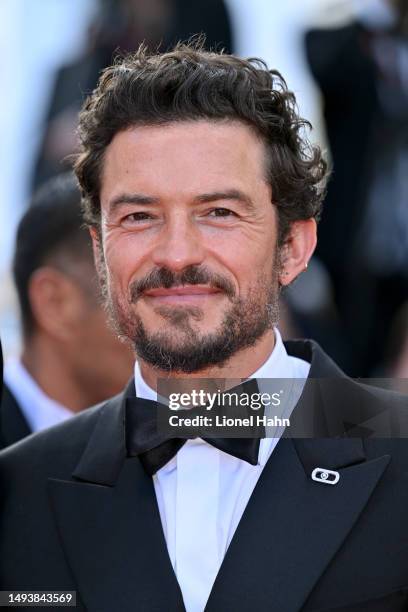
[188, 84]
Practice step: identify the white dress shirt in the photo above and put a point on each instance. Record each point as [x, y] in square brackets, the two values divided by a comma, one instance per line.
[202, 492]
[39, 410]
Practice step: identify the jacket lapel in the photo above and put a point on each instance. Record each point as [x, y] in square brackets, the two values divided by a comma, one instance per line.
[332, 404]
[109, 524]
[293, 526]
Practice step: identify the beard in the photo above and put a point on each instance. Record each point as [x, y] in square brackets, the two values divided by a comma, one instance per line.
[183, 347]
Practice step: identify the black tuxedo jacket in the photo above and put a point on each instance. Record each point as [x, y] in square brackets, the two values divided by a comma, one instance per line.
[77, 514]
[13, 425]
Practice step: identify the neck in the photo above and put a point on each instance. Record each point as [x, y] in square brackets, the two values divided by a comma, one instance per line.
[48, 366]
[241, 365]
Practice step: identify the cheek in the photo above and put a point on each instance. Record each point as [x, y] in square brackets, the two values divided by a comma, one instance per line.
[245, 255]
[123, 260]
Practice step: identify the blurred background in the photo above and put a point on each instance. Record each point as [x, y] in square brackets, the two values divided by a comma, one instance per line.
[347, 62]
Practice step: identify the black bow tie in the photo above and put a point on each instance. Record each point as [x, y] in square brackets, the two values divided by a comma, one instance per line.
[155, 448]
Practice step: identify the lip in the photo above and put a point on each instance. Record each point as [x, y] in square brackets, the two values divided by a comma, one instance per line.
[183, 294]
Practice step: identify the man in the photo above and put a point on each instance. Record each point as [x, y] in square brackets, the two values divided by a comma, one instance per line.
[70, 358]
[202, 196]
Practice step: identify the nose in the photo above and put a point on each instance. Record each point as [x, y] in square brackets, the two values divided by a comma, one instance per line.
[179, 245]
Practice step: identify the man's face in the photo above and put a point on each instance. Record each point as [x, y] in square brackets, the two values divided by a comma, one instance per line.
[188, 237]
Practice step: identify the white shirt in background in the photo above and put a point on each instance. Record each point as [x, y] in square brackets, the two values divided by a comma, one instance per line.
[39, 410]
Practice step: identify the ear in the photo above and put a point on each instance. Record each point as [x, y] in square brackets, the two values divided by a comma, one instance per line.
[56, 301]
[297, 250]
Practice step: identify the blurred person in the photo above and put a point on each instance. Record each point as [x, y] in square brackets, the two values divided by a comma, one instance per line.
[392, 372]
[396, 362]
[119, 27]
[362, 71]
[202, 193]
[70, 359]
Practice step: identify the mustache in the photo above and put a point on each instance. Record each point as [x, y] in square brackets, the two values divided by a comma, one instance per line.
[163, 278]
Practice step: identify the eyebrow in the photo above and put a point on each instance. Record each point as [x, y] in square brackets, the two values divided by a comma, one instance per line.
[143, 200]
[131, 198]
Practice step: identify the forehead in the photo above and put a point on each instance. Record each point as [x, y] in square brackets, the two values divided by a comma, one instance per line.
[193, 155]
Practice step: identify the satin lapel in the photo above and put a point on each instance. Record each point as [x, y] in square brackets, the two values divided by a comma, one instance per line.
[293, 526]
[332, 404]
[110, 528]
[316, 415]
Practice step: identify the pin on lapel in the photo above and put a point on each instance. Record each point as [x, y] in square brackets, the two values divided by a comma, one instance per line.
[325, 476]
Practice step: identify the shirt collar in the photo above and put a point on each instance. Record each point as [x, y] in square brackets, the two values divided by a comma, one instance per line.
[278, 364]
[142, 388]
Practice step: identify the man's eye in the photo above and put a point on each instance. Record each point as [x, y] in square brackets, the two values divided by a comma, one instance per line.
[135, 217]
[222, 212]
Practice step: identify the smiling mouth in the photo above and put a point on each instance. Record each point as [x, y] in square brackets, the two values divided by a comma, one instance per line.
[182, 295]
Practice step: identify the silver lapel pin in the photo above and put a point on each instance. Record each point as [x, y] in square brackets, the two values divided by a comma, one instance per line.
[325, 476]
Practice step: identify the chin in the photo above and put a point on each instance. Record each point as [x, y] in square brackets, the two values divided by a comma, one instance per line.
[175, 337]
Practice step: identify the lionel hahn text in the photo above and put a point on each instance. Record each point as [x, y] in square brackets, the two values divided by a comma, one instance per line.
[223, 421]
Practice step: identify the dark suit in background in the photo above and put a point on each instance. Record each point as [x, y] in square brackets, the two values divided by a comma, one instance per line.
[78, 514]
[13, 425]
[363, 234]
